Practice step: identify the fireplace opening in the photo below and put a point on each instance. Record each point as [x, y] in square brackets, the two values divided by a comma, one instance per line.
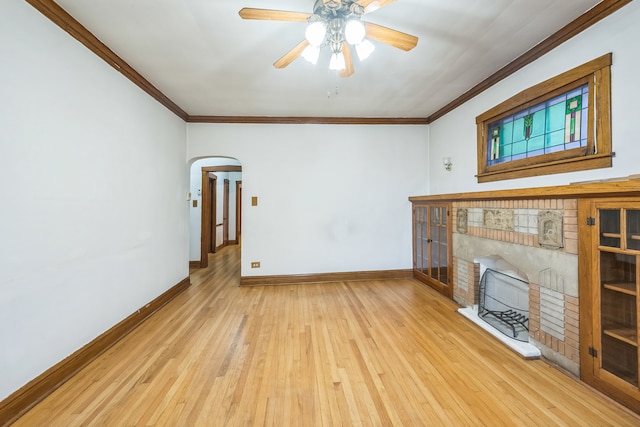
[504, 303]
[505, 288]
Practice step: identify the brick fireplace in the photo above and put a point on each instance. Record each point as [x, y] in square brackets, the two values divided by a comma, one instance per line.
[540, 237]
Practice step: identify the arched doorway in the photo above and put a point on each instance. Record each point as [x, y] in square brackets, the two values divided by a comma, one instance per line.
[215, 213]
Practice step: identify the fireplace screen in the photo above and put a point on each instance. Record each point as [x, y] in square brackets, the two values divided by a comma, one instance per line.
[504, 304]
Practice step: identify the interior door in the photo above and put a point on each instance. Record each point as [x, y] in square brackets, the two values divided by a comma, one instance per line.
[213, 182]
[238, 211]
[225, 214]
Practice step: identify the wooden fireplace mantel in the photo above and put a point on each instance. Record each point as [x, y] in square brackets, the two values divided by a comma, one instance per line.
[618, 187]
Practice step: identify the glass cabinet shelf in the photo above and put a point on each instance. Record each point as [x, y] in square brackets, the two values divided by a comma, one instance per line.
[627, 335]
[613, 235]
[623, 287]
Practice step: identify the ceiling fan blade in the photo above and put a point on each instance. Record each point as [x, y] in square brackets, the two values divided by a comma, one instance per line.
[292, 55]
[372, 5]
[348, 60]
[273, 15]
[391, 37]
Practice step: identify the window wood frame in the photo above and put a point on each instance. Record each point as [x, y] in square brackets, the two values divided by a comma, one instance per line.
[596, 154]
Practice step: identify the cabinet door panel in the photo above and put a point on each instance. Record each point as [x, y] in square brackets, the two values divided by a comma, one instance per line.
[431, 246]
[615, 290]
[610, 228]
[633, 229]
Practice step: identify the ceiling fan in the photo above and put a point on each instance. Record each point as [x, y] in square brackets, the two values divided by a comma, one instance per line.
[338, 25]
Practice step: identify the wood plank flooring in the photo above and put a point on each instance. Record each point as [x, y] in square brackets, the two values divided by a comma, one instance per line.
[366, 353]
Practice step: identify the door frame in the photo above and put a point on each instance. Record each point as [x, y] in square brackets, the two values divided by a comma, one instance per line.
[225, 213]
[206, 216]
[238, 211]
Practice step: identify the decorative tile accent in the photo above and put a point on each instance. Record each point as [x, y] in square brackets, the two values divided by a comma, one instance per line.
[550, 233]
[461, 220]
[466, 276]
[463, 273]
[526, 221]
[474, 217]
[552, 313]
[498, 219]
[550, 279]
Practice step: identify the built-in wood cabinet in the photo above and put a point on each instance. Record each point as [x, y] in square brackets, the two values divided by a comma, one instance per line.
[432, 256]
[610, 359]
[608, 251]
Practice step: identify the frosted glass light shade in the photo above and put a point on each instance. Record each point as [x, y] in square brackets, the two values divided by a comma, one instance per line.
[354, 32]
[311, 54]
[337, 62]
[364, 49]
[315, 33]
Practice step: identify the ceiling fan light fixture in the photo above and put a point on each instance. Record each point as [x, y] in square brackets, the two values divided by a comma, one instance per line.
[315, 33]
[364, 49]
[336, 26]
[354, 31]
[337, 62]
[311, 54]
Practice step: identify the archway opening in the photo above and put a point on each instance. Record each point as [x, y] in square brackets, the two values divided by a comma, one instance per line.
[215, 216]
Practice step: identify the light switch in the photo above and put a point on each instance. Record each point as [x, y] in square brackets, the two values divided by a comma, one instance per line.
[254, 201]
[195, 203]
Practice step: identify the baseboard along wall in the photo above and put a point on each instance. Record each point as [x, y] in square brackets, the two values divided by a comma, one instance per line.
[295, 279]
[19, 402]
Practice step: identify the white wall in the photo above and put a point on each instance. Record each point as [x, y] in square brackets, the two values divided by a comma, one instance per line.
[93, 213]
[332, 198]
[195, 214]
[454, 135]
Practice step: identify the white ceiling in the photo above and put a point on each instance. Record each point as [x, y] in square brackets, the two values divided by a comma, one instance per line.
[209, 61]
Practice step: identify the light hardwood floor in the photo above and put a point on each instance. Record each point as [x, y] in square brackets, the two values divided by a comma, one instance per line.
[350, 353]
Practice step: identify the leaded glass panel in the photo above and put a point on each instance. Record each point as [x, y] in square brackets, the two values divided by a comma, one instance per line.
[555, 125]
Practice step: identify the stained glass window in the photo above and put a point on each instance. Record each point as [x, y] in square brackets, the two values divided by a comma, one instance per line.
[554, 125]
[559, 125]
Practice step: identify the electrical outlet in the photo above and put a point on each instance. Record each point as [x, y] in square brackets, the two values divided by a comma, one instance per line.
[255, 264]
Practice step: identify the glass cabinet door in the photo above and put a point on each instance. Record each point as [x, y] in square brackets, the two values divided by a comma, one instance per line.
[438, 227]
[421, 243]
[619, 251]
[431, 257]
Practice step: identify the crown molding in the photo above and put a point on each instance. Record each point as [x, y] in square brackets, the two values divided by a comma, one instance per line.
[75, 29]
[293, 120]
[60, 17]
[575, 27]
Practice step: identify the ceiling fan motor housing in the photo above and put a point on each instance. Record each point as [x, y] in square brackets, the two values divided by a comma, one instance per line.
[335, 14]
[335, 34]
[346, 9]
